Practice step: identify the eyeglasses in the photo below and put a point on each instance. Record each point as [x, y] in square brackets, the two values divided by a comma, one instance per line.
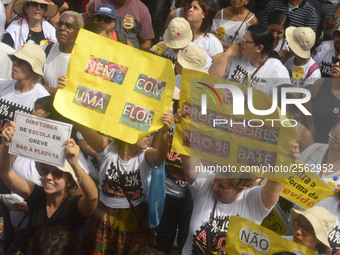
[56, 173]
[69, 27]
[105, 19]
[306, 230]
[332, 137]
[335, 60]
[18, 61]
[34, 4]
[246, 41]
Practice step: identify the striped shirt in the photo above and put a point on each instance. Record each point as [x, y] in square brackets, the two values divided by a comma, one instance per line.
[303, 15]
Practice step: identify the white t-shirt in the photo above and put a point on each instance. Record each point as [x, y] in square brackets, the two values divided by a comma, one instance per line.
[313, 156]
[282, 45]
[324, 60]
[248, 205]
[324, 46]
[2, 19]
[332, 205]
[298, 74]
[6, 63]
[55, 66]
[225, 30]
[271, 74]
[163, 50]
[136, 173]
[12, 101]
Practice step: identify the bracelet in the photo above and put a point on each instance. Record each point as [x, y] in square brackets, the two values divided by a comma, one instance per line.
[80, 179]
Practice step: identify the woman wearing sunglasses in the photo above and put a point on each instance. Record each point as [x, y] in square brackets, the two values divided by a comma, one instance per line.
[248, 61]
[312, 227]
[54, 203]
[32, 27]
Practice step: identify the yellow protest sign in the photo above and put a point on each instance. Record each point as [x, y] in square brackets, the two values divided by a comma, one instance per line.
[304, 187]
[247, 141]
[249, 238]
[116, 89]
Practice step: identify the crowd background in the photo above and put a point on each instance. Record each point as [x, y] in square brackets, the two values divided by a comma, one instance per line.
[90, 206]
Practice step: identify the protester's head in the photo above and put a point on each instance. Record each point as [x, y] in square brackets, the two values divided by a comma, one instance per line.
[199, 13]
[57, 179]
[67, 28]
[300, 40]
[312, 227]
[105, 15]
[95, 28]
[53, 240]
[192, 57]
[35, 9]
[178, 35]
[336, 66]
[239, 3]
[277, 22]
[28, 62]
[226, 190]
[258, 40]
[336, 38]
[334, 137]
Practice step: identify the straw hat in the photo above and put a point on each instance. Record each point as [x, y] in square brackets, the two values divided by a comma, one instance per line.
[193, 57]
[321, 220]
[52, 9]
[68, 169]
[300, 40]
[178, 34]
[33, 54]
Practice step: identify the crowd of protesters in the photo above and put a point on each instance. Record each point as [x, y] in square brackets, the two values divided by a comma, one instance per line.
[85, 207]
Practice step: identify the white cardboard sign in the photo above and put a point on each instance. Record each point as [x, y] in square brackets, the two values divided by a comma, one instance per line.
[40, 139]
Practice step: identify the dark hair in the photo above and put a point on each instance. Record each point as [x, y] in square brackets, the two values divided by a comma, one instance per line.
[278, 17]
[94, 27]
[207, 21]
[262, 35]
[53, 240]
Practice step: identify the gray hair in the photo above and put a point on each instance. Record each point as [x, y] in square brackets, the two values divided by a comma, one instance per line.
[80, 19]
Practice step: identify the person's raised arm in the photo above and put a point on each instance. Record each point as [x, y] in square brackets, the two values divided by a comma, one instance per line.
[88, 202]
[220, 64]
[157, 155]
[16, 183]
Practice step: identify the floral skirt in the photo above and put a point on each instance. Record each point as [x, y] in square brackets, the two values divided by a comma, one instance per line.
[117, 231]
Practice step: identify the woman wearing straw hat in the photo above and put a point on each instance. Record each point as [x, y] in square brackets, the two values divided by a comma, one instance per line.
[312, 227]
[21, 92]
[33, 26]
[54, 203]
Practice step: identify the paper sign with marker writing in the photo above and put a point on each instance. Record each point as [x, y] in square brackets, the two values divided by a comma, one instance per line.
[246, 142]
[248, 238]
[40, 139]
[304, 187]
[116, 89]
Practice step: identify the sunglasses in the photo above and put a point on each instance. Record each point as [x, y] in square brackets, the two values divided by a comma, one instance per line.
[68, 26]
[246, 41]
[34, 4]
[332, 137]
[306, 230]
[56, 173]
[335, 60]
[105, 19]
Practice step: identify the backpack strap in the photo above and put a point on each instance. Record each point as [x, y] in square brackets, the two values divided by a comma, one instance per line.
[312, 69]
[48, 49]
[121, 37]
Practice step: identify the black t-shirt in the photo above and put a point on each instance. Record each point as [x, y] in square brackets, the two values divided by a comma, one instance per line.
[67, 213]
[37, 37]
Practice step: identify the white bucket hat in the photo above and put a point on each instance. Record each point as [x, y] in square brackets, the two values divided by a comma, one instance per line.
[300, 40]
[321, 220]
[193, 57]
[51, 10]
[178, 34]
[33, 54]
